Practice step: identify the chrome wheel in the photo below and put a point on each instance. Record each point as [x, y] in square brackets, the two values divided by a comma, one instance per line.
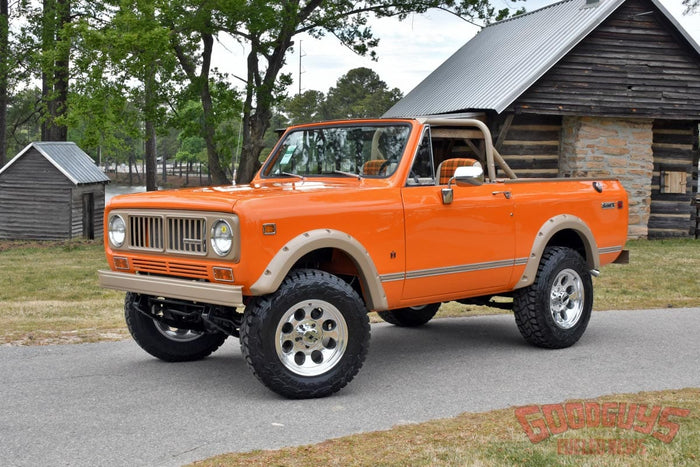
[311, 337]
[566, 299]
[176, 334]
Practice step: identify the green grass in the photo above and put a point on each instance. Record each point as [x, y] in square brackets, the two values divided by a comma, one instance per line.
[492, 439]
[661, 274]
[50, 294]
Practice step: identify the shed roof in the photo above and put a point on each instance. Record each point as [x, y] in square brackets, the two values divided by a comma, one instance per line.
[68, 158]
[506, 58]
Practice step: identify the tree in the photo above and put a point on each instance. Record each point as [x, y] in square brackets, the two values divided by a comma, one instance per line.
[11, 70]
[691, 6]
[269, 27]
[193, 25]
[192, 149]
[4, 72]
[55, 47]
[305, 107]
[125, 59]
[23, 121]
[360, 93]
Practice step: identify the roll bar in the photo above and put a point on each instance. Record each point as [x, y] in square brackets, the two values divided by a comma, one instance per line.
[492, 155]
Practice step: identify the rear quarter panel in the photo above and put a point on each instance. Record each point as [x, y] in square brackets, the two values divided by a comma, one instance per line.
[537, 201]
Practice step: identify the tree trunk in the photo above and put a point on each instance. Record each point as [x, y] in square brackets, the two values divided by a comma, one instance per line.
[150, 156]
[48, 27]
[55, 69]
[250, 152]
[165, 170]
[62, 71]
[150, 153]
[4, 71]
[217, 172]
[256, 123]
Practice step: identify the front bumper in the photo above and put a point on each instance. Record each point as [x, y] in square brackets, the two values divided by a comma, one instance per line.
[182, 289]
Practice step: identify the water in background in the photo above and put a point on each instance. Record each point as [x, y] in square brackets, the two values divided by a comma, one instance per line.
[112, 190]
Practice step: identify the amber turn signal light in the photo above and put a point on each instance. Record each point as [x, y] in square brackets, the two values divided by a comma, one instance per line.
[223, 274]
[121, 263]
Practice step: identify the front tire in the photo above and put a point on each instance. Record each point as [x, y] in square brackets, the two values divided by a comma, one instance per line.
[554, 311]
[410, 317]
[166, 342]
[309, 338]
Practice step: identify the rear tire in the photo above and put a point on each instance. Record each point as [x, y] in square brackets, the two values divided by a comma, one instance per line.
[410, 317]
[554, 311]
[166, 342]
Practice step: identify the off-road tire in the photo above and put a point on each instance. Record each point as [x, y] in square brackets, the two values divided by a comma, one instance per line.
[310, 309]
[153, 337]
[554, 311]
[410, 317]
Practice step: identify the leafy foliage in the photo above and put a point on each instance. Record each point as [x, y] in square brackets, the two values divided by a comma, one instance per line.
[305, 107]
[691, 6]
[268, 28]
[360, 93]
[136, 61]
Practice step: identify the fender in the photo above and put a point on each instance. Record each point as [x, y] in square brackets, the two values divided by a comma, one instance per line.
[545, 233]
[295, 249]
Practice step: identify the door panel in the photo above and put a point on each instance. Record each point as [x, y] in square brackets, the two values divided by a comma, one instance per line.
[464, 247]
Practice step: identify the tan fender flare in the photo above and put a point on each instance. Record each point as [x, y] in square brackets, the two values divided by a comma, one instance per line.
[550, 228]
[280, 265]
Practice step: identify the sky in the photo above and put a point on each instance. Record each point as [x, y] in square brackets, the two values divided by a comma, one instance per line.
[408, 50]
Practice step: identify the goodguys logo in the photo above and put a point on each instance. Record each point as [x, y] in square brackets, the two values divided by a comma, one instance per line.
[541, 422]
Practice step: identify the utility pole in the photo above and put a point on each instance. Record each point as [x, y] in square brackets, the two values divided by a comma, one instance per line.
[301, 54]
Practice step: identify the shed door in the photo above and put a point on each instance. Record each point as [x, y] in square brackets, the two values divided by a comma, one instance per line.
[89, 216]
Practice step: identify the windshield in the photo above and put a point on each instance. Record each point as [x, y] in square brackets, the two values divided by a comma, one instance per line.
[347, 150]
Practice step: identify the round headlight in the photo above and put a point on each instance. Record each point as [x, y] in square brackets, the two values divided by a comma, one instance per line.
[117, 231]
[221, 237]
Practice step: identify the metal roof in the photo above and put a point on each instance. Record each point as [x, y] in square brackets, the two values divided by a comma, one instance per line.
[506, 58]
[68, 158]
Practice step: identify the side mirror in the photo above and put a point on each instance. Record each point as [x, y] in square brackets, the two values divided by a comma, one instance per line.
[469, 175]
[464, 176]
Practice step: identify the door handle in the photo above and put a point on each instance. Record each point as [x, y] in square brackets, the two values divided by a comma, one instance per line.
[504, 193]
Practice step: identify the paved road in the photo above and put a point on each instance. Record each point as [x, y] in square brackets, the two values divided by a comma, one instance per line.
[112, 404]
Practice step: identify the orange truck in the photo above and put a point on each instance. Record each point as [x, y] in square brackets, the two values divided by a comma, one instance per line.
[395, 216]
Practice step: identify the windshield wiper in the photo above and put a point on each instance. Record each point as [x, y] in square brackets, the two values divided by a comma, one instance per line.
[289, 174]
[348, 174]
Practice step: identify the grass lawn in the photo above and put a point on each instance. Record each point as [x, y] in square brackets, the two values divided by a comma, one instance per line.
[50, 294]
[497, 438]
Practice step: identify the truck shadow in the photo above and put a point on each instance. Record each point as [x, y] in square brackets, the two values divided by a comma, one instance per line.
[393, 350]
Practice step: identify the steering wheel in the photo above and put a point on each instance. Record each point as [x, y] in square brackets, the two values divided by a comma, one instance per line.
[383, 167]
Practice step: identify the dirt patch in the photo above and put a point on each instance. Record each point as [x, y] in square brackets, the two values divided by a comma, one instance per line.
[82, 336]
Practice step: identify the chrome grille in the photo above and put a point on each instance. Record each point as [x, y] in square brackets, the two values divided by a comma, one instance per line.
[146, 232]
[187, 235]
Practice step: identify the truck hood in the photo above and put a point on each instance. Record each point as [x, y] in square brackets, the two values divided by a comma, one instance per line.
[224, 198]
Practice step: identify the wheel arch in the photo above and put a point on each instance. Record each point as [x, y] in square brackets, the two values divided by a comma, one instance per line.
[313, 242]
[561, 230]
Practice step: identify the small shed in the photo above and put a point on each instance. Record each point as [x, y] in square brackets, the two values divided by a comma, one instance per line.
[51, 191]
[586, 88]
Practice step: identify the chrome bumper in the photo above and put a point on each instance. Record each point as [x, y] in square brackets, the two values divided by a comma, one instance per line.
[182, 289]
